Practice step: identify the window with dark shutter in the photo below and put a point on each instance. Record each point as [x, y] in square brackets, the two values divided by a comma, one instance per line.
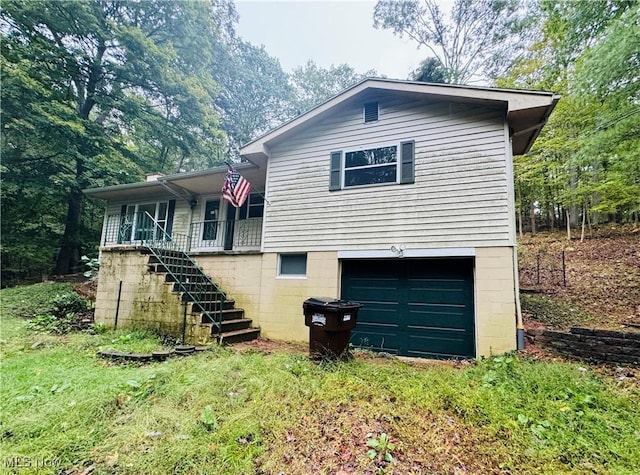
[336, 171]
[407, 165]
[370, 112]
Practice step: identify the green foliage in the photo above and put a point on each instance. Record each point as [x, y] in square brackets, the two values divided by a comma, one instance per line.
[313, 84]
[68, 302]
[59, 315]
[478, 38]
[586, 160]
[241, 413]
[255, 94]
[430, 70]
[94, 266]
[29, 300]
[126, 90]
[136, 341]
[50, 323]
[99, 328]
[49, 307]
[380, 447]
[553, 312]
[208, 417]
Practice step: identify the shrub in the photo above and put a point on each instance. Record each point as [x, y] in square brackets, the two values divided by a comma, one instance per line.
[68, 302]
[61, 314]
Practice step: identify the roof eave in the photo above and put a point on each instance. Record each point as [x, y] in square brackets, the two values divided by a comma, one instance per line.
[536, 132]
[514, 99]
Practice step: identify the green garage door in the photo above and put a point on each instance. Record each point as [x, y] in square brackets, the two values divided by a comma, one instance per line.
[413, 307]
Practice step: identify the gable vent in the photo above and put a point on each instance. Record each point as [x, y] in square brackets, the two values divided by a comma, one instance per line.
[370, 112]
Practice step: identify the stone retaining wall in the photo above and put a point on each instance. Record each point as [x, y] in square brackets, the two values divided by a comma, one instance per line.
[607, 346]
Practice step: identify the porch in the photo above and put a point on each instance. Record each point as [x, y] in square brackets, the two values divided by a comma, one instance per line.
[139, 228]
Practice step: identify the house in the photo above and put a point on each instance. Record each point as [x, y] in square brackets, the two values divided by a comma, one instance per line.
[395, 194]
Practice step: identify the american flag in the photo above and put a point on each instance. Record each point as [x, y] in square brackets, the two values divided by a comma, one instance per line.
[235, 189]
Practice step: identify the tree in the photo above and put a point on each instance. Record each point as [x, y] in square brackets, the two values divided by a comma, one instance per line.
[86, 81]
[478, 40]
[313, 84]
[608, 75]
[585, 164]
[430, 70]
[255, 94]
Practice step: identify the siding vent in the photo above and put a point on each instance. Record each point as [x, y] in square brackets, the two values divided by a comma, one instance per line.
[370, 112]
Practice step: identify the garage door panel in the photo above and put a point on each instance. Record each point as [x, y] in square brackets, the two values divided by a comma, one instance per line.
[439, 342]
[437, 316]
[440, 269]
[415, 307]
[376, 338]
[438, 296]
[374, 292]
[379, 312]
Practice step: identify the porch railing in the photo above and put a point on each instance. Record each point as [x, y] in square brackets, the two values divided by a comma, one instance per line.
[216, 235]
[239, 233]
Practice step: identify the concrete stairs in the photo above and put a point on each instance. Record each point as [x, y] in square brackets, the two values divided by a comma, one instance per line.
[207, 303]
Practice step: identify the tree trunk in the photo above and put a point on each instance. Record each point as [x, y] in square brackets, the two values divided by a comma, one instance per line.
[532, 213]
[584, 218]
[568, 225]
[573, 183]
[71, 247]
[520, 222]
[519, 189]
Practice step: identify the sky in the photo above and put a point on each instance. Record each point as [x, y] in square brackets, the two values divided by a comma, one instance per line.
[327, 32]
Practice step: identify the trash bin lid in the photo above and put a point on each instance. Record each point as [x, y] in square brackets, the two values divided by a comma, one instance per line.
[329, 302]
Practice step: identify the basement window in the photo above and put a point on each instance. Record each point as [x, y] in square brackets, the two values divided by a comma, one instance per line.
[370, 112]
[292, 265]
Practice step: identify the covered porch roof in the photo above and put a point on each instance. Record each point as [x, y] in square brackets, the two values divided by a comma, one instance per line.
[185, 185]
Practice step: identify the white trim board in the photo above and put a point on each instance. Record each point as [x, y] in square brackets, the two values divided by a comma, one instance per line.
[408, 253]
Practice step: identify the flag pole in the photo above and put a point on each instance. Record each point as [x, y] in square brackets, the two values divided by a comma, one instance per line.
[230, 165]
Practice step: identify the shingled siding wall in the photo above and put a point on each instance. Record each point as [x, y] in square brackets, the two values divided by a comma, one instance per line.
[607, 346]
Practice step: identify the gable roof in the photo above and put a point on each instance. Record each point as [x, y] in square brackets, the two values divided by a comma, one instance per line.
[527, 111]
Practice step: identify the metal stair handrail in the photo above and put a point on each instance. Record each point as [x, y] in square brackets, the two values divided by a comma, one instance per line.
[201, 277]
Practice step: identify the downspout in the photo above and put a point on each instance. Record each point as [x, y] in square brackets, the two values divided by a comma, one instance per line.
[516, 288]
[516, 280]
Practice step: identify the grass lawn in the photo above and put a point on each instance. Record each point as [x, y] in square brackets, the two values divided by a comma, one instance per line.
[225, 411]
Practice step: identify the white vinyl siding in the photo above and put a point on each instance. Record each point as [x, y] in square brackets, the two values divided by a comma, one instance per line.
[459, 198]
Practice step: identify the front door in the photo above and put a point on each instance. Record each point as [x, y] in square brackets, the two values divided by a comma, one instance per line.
[229, 228]
[210, 223]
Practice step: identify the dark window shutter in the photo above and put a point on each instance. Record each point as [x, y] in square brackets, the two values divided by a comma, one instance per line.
[123, 210]
[170, 212]
[336, 171]
[370, 112]
[407, 164]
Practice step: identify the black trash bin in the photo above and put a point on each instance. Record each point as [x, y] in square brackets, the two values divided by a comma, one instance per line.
[330, 322]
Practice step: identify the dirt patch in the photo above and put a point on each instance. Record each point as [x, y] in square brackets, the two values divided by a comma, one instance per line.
[333, 440]
[602, 273]
[267, 347]
[86, 289]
